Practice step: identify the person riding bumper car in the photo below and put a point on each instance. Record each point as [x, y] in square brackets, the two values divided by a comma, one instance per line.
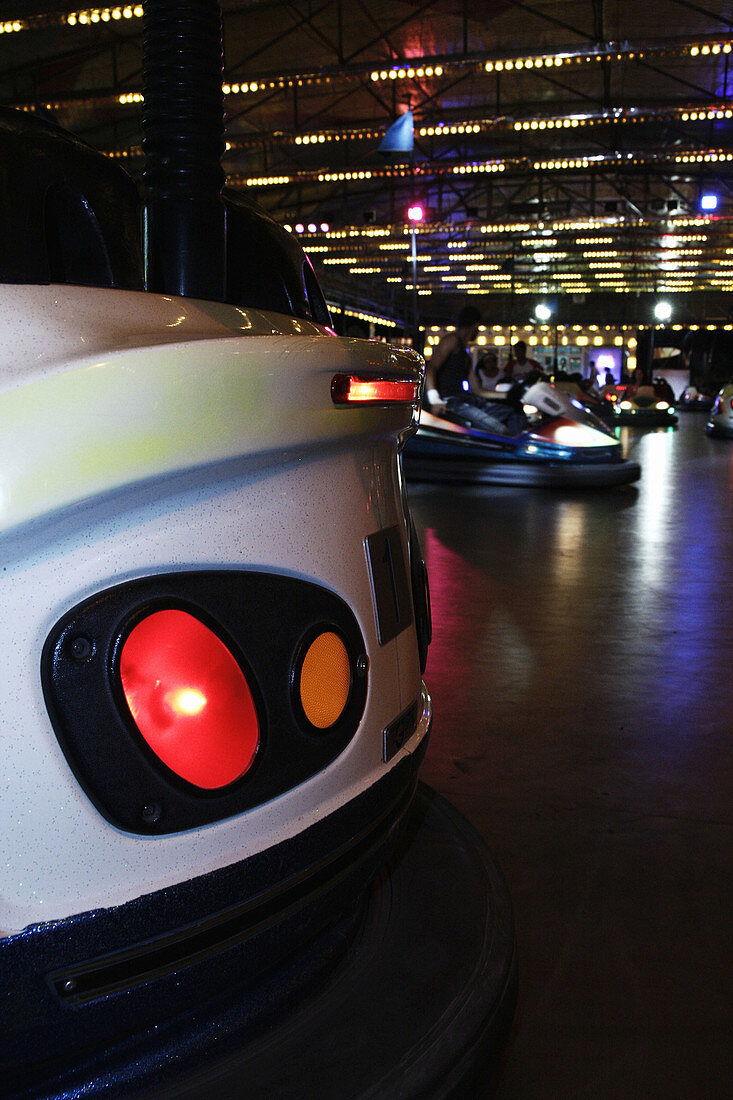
[533, 435]
[720, 422]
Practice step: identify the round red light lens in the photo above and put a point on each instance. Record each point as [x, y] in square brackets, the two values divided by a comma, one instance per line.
[189, 698]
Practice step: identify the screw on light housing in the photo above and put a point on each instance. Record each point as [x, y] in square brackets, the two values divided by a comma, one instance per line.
[81, 648]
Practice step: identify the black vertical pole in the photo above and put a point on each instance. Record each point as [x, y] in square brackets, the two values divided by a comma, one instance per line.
[413, 257]
[183, 141]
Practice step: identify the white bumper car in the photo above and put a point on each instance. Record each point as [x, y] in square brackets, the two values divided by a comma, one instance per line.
[214, 624]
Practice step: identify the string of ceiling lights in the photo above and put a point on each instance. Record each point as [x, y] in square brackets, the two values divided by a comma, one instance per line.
[618, 116]
[432, 169]
[554, 262]
[689, 227]
[87, 18]
[404, 69]
[415, 69]
[530, 260]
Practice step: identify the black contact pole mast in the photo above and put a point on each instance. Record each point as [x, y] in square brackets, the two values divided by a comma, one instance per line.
[183, 142]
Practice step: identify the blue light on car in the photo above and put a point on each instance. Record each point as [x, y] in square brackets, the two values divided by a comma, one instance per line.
[539, 448]
[578, 404]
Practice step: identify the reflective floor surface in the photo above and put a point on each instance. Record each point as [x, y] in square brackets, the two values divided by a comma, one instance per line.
[581, 679]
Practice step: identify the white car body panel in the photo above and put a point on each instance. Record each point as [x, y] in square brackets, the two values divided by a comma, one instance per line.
[121, 459]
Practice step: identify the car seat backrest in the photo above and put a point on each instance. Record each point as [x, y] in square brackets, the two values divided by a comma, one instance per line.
[68, 214]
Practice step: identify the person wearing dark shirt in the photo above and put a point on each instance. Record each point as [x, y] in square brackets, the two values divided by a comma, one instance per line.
[451, 384]
[450, 365]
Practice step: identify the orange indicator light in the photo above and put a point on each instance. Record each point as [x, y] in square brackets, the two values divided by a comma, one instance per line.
[325, 680]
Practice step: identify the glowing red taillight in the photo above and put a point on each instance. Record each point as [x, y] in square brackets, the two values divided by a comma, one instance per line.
[189, 699]
[349, 389]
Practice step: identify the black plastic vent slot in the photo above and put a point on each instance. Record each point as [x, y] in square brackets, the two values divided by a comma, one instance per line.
[123, 970]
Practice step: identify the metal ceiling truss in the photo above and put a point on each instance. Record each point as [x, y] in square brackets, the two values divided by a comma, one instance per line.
[508, 143]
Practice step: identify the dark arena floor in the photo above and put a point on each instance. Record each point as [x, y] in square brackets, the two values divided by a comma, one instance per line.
[581, 679]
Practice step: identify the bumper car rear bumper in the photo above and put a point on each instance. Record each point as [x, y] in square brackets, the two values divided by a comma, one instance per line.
[721, 431]
[430, 458]
[255, 934]
[412, 995]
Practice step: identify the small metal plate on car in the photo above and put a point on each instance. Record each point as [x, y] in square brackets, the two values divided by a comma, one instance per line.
[398, 732]
[390, 585]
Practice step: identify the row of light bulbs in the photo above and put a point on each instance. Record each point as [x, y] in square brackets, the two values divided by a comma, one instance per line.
[416, 68]
[84, 18]
[537, 62]
[560, 122]
[501, 228]
[598, 270]
[500, 284]
[569, 163]
[456, 129]
[428, 168]
[372, 318]
[660, 252]
[708, 114]
[104, 15]
[493, 261]
[406, 72]
[635, 117]
[648, 286]
[409, 72]
[604, 53]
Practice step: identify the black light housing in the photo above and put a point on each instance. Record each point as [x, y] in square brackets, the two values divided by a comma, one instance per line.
[265, 621]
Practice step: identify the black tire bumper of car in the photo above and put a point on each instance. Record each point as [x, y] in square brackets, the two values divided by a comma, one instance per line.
[258, 932]
[646, 419]
[719, 431]
[501, 471]
[418, 1006]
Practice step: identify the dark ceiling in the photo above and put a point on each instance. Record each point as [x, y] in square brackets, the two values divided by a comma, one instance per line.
[561, 149]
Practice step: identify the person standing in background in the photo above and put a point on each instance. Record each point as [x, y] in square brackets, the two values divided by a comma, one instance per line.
[520, 364]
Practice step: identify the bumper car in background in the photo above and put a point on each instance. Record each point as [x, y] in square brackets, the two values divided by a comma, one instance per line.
[720, 422]
[215, 621]
[600, 404]
[551, 439]
[693, 399]
[643, 409]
